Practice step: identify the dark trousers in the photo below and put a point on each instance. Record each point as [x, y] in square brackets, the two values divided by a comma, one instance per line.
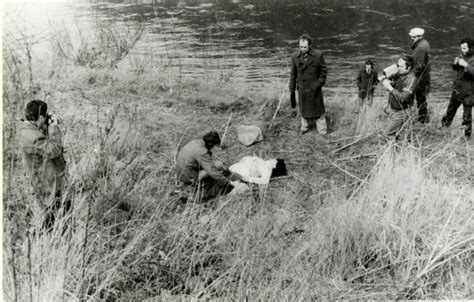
[209, 188]
[453, 106]
[420, 95]
[57, 208]
[369, 97]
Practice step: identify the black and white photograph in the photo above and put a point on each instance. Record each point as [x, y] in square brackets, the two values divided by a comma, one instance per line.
[237, 150]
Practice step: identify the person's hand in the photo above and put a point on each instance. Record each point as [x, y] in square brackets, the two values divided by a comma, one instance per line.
[219, 165]
[456, 61]
[202, 174]
[234, 176]
[380, 77]
[462, 62]
[53, 119]
[245, 179]
[386, 84]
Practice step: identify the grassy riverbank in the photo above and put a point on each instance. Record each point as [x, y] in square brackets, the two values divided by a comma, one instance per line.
[358, 217]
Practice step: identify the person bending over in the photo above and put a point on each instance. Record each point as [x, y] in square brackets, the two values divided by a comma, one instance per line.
[195, 167]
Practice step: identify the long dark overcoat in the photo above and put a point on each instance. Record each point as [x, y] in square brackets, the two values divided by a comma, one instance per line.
[420, 52]
[308, 75]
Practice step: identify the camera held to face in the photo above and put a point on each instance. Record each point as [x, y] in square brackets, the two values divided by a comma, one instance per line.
[388, 72]
[49, 119]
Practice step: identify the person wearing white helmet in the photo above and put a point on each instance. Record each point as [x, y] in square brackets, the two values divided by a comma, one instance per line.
[420, 52]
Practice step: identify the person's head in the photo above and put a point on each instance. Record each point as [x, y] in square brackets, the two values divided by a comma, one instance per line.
[36, 111]
[279, 169]
[405, 64]
[305, 42]
[467, 46]
[416, 34]
[211, 139]
[369, 64]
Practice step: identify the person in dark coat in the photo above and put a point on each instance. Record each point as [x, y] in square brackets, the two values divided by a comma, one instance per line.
[420, 52]
[463, 87]
[366, 82]
[308, 75]
[196, 167]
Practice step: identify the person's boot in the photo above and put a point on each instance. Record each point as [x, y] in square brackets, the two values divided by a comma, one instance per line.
[322, 125]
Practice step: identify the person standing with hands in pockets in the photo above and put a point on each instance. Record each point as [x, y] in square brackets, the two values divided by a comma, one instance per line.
[308, 75]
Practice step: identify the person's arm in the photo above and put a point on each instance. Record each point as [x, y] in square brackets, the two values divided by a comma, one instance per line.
[403, 96]
[49, 146]
[421, 58]
[207, 164]
[468, 68]
[455, 64]
[323, 70]
[359, 79]
[376, 80]
[293, 73]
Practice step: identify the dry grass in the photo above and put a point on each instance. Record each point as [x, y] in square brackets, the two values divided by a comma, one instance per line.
[358, 217]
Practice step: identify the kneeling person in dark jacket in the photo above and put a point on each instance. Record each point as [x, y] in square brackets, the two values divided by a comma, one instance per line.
[195, 167]
[401, 89]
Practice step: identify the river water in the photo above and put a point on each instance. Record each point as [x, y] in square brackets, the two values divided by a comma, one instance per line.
[250, 41]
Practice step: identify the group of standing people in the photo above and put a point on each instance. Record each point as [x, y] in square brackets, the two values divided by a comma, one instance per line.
[408, 82]
[41, 142]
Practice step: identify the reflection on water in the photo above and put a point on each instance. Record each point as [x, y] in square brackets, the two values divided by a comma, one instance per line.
[252, 40]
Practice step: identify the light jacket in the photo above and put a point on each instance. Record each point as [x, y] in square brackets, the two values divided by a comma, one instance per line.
[194, 157]
[43, 157]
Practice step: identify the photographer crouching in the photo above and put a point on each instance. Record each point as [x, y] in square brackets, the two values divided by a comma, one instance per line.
[40, 141]
[400, 81]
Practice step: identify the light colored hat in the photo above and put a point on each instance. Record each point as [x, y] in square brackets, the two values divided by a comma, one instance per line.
[416, 32]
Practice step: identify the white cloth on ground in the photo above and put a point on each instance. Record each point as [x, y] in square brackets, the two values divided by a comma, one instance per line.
[255, 170]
